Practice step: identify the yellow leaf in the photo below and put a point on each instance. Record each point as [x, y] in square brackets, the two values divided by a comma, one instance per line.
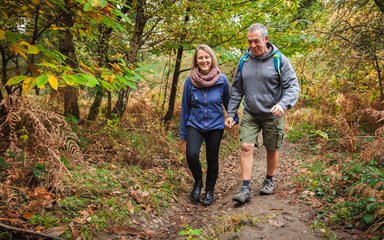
[53, 81]
[28, 84]
[57, 28]
[25, 43]
[17, 50]
[116, 67]
[48, 3]
[2, 34]
[33, 49]
[111, 78]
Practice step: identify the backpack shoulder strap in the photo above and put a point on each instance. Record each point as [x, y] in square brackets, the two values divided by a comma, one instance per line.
[277, 62]
[242, 59]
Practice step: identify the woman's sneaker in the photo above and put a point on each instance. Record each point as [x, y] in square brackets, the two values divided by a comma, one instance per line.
[243, 196]
[268, 187]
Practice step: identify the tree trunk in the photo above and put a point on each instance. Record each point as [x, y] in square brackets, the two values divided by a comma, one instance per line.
[103, 61]
[172, 98]
[166, 82]
[136, 43]
[376, 62]
[121, 103]
[102, 53]
[95, 107]
[109, 105]
[4, 76]
[66, 46]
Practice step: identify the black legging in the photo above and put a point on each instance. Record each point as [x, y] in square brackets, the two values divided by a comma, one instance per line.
[212, 142]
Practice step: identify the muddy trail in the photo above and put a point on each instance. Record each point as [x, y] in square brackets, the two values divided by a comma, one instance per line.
[277, 216]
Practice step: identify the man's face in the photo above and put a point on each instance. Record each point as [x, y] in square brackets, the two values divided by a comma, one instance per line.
[257, 43]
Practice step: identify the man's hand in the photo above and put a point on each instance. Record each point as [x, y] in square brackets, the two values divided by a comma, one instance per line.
[277, 110]
[229, 122]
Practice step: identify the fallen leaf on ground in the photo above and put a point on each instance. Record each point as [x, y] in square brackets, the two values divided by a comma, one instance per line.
[28, 215]
[40, 192]
[276, 222]
[75, 232]
[55, 231]
[130, 207]
[39, 229]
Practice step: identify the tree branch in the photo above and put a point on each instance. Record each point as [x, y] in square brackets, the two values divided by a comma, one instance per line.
[2, 225]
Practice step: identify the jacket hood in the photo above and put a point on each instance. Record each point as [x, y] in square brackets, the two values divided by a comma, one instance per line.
[272, 50]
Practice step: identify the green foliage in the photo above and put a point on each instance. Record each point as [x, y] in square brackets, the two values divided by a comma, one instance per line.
[190, 232]
[38, 170]
[325, 231]
[3, 163]
[47, 221]
[307, 130]
[348, 197]
[113, 123]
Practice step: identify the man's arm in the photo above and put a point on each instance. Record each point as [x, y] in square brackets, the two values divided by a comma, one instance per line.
[290, 85]
[237, 94]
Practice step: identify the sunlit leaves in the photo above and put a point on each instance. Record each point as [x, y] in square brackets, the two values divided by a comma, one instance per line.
[103, 3]
[41, 80]
[18, 50]
[70, 80]
[109, 22]
[53, 82]
[15, 80]
[30, 48]
[28, 84]
[2, 34]
[49, 66]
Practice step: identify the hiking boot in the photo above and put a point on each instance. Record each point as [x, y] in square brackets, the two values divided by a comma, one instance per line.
[208, 198]
[195, 194]
[267, 188]
[243, 196]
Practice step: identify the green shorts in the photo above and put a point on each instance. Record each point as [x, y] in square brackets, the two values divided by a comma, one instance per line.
[273, 131]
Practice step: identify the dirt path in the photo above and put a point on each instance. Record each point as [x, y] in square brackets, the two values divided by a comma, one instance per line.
[264, 217]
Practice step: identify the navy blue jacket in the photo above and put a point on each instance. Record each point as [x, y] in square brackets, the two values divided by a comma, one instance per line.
[202, 108]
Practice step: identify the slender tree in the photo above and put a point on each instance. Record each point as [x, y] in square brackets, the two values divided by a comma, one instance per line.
[67, 48]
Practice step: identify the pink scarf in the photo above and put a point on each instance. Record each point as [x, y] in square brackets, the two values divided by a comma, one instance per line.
[200, 80]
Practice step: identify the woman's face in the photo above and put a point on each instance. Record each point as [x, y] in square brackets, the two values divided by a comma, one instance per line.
[204, 61]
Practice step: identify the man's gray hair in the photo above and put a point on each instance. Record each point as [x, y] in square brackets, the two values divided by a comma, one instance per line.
[258, 27]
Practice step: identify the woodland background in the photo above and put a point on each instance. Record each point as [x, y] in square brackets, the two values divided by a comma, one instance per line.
[90, 98]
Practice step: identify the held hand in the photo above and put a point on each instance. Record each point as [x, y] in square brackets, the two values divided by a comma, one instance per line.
[277, 110]
[229, 122]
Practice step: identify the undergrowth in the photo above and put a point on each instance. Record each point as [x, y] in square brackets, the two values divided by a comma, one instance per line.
[344, 176]
[129, 171]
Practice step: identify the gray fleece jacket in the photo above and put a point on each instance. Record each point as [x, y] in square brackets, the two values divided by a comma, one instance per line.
[262, 87]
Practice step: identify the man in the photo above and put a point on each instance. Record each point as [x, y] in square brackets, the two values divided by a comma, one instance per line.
[268, 92]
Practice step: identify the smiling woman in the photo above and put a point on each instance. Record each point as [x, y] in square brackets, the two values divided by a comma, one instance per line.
[204, 61]
[206, 90]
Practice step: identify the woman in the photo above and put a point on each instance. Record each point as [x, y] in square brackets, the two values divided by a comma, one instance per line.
[206, 90]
